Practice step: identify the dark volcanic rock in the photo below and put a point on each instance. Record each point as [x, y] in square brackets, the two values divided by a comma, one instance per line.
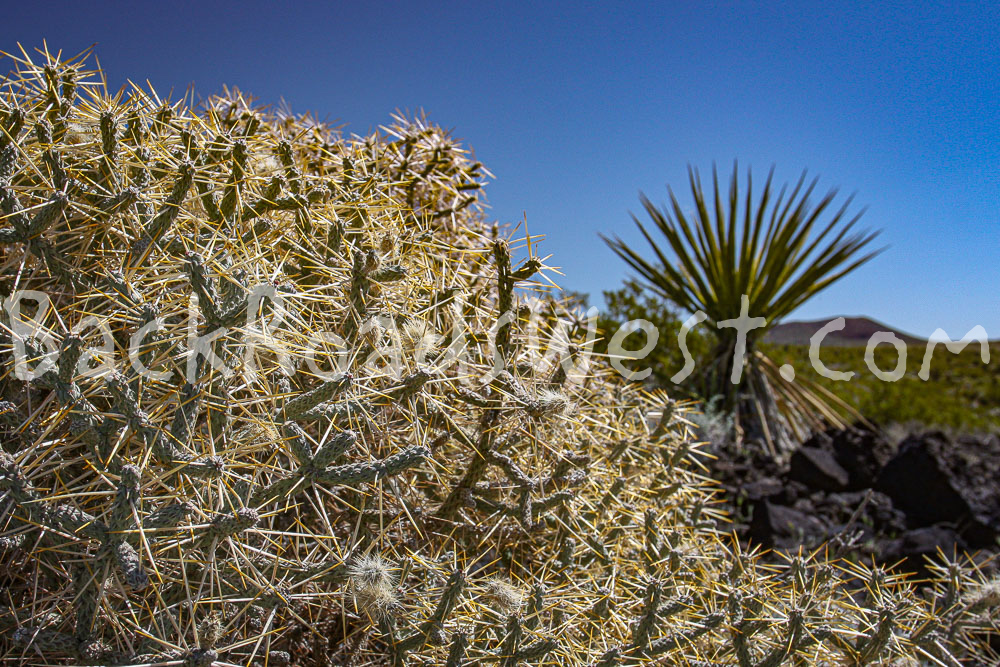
[860, 451]
[817, 469]
[878, 513]
[934, 479]
[794, 491]
[913, 545]
[975, 466]
[930, 493]
[919, 484]
[783, 527]
[761, 489]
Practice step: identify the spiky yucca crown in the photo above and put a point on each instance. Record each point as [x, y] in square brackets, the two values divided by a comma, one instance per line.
[428, 506]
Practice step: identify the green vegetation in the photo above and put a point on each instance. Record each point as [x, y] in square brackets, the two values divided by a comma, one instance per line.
[961, 392]
[633, 302]
[749, 255]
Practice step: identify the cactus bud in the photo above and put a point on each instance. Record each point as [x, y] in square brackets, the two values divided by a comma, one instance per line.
[211, 630]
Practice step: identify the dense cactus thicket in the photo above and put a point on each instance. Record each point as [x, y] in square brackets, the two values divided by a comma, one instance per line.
[261, 406]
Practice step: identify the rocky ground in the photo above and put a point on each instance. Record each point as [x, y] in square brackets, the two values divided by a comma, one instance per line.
[902, 500]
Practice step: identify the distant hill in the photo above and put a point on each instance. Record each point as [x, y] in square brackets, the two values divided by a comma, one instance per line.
[857, 331]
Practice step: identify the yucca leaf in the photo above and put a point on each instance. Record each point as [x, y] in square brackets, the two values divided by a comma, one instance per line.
[775, 251]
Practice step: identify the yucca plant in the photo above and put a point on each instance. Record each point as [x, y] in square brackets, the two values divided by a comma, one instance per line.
[762, 256]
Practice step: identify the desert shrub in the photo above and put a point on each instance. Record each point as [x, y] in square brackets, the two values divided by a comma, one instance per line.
[363, 486]
[960, 392]
[633, 302]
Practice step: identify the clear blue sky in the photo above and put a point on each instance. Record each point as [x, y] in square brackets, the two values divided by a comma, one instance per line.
[577, 107]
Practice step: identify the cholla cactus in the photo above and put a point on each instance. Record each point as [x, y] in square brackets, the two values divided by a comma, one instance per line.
[260, 384]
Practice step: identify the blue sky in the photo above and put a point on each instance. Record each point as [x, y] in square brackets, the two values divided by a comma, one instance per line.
[577, 107]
